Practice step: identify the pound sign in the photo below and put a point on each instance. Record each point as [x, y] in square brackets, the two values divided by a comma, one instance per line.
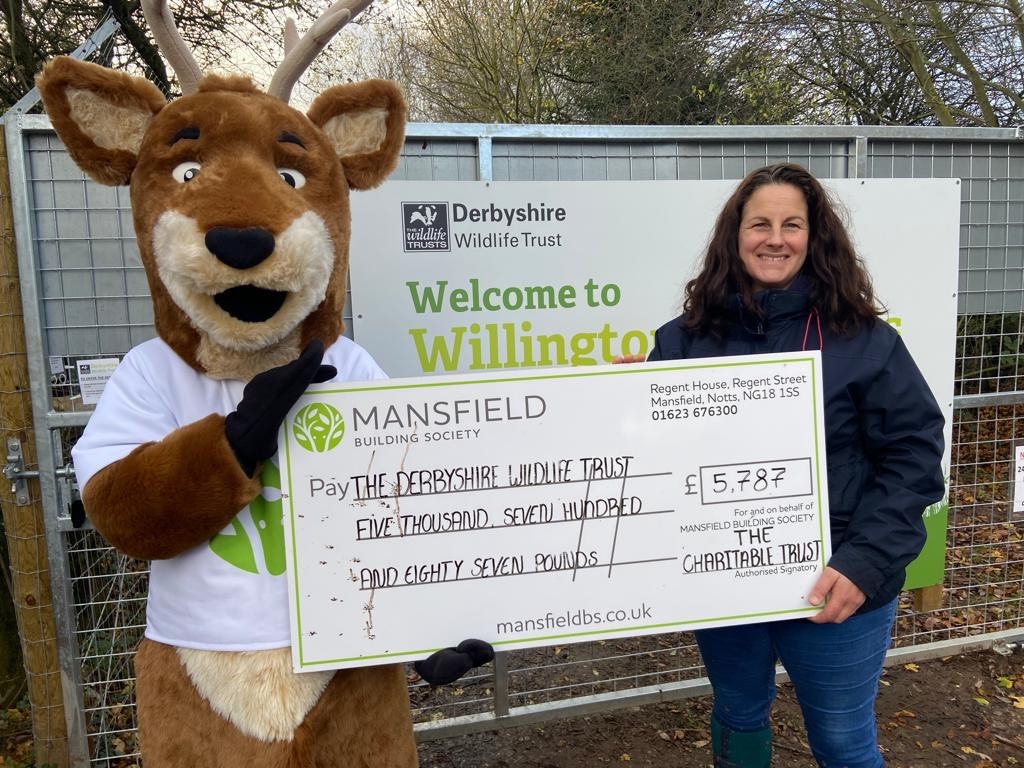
[691, 481]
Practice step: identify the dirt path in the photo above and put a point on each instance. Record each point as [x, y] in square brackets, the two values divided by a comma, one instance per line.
[964, 711]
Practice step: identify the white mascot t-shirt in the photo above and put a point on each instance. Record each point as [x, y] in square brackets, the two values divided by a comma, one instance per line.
[228, 594]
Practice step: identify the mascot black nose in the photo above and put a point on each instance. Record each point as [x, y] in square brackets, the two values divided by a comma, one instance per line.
[240, 248]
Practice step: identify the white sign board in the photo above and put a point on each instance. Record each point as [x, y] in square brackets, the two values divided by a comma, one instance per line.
[93, 375]
[1018, 481]
[533, 274]
[560, 505]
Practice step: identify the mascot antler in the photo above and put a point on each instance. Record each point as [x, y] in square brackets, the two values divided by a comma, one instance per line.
[175, 49]
[299, 53]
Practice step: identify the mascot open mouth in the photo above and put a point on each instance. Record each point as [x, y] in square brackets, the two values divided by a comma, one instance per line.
[249, 303]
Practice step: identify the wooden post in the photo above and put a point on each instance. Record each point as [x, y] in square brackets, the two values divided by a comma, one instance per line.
[927, 598]
[26, 533]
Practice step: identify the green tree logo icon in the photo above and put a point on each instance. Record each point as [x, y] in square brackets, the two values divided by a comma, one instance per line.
[318, 427]
[267, 515]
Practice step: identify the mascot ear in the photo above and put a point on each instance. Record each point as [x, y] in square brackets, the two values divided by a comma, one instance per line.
[366, 124]
[99, 114]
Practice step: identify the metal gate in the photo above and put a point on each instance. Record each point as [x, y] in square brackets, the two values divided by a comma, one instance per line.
[85, 296]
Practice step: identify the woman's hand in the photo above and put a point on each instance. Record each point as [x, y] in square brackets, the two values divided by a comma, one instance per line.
[629, 359]
[844, 597]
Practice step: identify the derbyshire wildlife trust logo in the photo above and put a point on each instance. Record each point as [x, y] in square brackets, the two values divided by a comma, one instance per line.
[425, 226]
[318, 427]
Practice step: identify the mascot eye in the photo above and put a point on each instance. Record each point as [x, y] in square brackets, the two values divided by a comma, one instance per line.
[185, 172]
[292, 177]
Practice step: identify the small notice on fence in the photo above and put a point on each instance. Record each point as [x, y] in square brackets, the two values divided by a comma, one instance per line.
[93, 375]
[539, 507]
[1018, 481]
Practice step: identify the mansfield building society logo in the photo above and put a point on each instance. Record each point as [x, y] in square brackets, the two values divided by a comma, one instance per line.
[425, 226]
[318, 427]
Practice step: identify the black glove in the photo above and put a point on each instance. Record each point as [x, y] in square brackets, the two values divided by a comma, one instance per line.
[449, 664]
[252, 428]
[77, 513]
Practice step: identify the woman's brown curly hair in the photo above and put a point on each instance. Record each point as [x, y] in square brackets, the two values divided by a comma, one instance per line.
[840, 285]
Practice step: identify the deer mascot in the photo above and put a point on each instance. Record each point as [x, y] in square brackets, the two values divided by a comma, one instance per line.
[241, 211]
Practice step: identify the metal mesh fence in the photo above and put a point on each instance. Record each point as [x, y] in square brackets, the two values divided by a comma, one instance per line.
[662, 160]
[94, 303]
[110, 615]
[95, 298]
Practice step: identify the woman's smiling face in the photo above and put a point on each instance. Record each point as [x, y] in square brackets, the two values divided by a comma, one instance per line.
[773, 235]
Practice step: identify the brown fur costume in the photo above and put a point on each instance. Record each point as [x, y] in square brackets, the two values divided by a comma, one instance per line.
[215, 708]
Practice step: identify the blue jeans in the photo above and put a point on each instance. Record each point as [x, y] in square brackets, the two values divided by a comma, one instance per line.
[834, 669]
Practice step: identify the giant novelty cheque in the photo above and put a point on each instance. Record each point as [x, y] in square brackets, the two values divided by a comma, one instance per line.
[552, 506]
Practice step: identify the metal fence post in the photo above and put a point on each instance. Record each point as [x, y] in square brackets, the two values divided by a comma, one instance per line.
[501, 684]
[485, 159]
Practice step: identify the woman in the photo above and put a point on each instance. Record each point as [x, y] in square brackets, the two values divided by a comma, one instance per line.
[780, 274]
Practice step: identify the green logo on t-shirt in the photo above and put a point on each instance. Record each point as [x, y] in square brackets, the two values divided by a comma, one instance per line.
[318, 427]
[267, 514]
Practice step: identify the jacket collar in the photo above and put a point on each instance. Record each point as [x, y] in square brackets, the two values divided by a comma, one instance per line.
[776, 306]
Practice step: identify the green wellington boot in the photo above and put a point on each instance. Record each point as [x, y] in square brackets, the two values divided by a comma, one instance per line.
[740, 749]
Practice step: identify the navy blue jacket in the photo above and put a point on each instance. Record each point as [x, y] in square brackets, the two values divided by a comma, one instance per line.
[883, 431]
